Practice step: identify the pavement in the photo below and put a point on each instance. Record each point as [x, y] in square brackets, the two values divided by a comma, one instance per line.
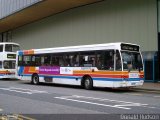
[149, 87]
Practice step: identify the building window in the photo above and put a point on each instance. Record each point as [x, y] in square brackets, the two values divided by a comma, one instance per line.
[6, 37]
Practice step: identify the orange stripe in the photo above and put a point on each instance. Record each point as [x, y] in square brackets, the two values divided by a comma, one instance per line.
[3, 72]
[30, 70]
[26, 70]
[31, 52]
[98, 75]
[27, 52]
[100, 72]
[103, 72]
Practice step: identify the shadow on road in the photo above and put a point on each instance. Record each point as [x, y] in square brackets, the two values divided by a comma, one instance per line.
[8, 79]
[113, 90]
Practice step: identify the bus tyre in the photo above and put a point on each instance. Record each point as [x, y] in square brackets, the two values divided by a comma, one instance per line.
[35, 79]
[88, 83]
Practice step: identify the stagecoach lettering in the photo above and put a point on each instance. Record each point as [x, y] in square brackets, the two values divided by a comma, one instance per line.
[49, 70]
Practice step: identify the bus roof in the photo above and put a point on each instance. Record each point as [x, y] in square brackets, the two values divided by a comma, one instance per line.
[77, 48]
[2, 43]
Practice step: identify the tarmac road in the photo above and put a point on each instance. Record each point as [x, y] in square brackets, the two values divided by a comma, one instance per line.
[22, 98]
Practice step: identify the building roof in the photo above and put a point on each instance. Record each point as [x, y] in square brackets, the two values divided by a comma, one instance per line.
[38, 11]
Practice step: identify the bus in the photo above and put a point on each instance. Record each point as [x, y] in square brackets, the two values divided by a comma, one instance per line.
[8, 52]
[112, 65]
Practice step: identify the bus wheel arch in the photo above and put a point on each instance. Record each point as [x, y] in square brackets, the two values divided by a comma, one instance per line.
[35, 79]
[87, 82]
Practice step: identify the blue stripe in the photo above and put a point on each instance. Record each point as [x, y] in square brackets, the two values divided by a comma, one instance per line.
[97, 79]
[21, 69]
[135, 79]
[25, 75]
[67, 77]
[20, 53]
[118, 79]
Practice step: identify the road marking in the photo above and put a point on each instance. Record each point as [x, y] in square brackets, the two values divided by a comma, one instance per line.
[135, 94]
[119, 104]
[102, 99]
[21, 90]
[91, 103]
[150, 107]
[15, 117]
[25, 117]
[8, 89]
[33, 91]
[157, 96]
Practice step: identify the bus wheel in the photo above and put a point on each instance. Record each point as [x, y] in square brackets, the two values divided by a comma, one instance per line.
[88, 83]
[35, 79]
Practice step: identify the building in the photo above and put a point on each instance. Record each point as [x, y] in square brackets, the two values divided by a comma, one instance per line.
[53, 23]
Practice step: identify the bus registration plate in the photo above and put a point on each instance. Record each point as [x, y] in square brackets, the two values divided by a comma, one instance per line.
[133, 75]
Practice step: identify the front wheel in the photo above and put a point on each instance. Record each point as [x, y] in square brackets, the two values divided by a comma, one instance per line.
[35, 79]
[88, 83]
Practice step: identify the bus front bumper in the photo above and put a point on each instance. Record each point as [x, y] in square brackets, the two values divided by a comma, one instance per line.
[131, 83]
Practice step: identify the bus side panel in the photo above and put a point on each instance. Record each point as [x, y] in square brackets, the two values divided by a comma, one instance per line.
[116, 79]
[68, 80]
[25, 73]
[117, 84]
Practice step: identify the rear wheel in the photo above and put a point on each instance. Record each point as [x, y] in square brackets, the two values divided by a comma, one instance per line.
[35, 79]
[88, 83]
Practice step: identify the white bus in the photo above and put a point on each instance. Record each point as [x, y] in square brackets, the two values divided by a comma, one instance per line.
[99, 65]
[8, 59]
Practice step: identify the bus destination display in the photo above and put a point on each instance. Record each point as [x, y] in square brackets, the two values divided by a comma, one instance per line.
[129, 47]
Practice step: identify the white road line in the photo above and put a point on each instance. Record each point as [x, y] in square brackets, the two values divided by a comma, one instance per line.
[150, 107]
[1, 110]
[8, 89]
[37, 91]
[101, 99]
[134, 104]
[21, 117]
[157, 96]
[21, 90]
[117, 104]
[92, 103]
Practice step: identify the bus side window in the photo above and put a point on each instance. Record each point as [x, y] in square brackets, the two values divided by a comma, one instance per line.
[8, 48]
[87, 59]
[100, 60]
[75, 60]
[46, 60]
[1, 48]
[55, 60]
[36, 60]
[109, 60]
[118, 61]
[61, 61]
[20, 61]
[66, 60]
[0, 64]
[27, 60]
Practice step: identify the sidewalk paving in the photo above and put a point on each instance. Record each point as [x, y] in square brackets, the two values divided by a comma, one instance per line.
[149, 87]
